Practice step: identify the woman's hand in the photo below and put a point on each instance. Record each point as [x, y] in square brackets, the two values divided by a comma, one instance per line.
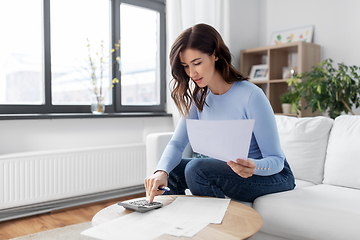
[153, 182]
[244, 168]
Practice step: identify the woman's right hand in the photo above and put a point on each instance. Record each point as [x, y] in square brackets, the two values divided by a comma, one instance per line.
[153, 182]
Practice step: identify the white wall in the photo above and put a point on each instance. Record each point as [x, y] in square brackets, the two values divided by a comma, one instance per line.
[244, 23]
[54, 134]
[336, 24]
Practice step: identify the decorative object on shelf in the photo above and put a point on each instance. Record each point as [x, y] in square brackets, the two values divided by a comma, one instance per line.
[98, 63]
[328, 89]
[286, 72]
[259, 72]
[290, 102]
[304, 33]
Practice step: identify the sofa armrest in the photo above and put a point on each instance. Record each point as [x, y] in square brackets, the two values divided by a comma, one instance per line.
[155, 145]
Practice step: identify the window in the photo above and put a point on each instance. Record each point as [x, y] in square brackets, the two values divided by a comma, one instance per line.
[69, 56]
[139, 65]
[45, 65]
[21, 58]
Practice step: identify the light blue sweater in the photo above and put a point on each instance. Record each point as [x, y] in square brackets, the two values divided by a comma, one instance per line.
[244, 100]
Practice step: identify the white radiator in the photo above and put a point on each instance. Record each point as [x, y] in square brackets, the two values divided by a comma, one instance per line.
[31, 178]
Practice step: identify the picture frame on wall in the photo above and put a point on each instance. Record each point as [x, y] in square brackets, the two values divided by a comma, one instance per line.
[303, 33]
[259, 73]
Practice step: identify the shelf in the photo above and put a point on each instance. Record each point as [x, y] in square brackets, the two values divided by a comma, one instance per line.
[283, 47]
[301, 56]
[278, 80]
[260, 82]
[258, 51]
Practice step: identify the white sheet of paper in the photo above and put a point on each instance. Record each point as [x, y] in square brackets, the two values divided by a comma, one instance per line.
[133, 226]
[224, 140]
[178, 218]
[187, 229]
[196, 209]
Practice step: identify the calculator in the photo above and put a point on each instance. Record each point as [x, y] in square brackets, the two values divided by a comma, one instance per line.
[141, 205]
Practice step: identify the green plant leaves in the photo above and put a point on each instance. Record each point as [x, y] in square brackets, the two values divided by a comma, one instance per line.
[326, 88]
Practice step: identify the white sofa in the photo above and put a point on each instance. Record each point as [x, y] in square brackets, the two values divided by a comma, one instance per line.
[324, 155]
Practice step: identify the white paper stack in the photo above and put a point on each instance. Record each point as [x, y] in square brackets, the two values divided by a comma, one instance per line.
[185, 216]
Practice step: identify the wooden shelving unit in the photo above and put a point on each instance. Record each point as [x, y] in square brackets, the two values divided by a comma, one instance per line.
[301, 56]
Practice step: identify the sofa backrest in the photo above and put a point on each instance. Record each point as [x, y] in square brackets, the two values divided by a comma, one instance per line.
[304, 142]
[342, 162]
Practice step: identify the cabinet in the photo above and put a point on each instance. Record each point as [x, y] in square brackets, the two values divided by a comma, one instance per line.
[300, 56]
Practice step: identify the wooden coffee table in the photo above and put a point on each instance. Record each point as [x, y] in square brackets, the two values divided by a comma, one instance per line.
[240, 221]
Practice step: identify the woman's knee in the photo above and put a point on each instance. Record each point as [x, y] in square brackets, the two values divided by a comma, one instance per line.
[199, 177]
[193, 167]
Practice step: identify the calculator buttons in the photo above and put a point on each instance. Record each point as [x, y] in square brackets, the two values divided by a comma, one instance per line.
[141, 205]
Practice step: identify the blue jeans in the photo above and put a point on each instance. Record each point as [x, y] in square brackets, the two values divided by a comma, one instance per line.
[212, 177]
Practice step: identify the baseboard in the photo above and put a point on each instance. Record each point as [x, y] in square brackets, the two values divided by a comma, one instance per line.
[46, 207]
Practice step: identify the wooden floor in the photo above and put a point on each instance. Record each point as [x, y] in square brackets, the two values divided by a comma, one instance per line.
[24, 226]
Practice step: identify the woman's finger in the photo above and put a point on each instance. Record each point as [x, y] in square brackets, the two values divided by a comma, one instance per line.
[152, 184]
[242, 162]
[241, 170]
[146, 184]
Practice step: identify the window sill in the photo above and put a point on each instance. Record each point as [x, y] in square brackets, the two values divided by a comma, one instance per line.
[81, 115]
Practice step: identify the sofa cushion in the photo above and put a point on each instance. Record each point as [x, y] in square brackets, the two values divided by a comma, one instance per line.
[304, 142]
[318, 212]
[343, 154]
[302, 183]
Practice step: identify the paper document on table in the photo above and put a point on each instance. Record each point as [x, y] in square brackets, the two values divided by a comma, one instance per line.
[197, 209]
[224, 140]
[187, 229]
[185, 216]
[133, 226]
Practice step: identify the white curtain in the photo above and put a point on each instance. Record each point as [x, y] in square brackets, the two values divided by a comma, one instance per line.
[182, 14]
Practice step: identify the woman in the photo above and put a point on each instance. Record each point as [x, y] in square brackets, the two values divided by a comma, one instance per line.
[220, 92]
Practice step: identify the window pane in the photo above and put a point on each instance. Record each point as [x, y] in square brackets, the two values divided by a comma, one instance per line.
[140, 66]
[21, 52]
[72, 23]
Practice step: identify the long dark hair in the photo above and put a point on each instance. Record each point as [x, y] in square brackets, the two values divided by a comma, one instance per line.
[206, 39]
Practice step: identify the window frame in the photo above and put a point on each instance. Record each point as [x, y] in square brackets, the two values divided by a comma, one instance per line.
[160, 8]
[115, 107]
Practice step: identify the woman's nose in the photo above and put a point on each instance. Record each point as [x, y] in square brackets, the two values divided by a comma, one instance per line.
[192, 72]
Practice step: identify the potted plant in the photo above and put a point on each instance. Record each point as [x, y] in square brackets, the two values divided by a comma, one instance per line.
[326, 88]
[290, 101]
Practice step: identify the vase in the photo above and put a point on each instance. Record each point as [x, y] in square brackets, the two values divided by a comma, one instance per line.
[97, 105]
[286, 108]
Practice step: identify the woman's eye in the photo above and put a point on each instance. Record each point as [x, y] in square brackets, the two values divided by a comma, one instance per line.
[197, 63]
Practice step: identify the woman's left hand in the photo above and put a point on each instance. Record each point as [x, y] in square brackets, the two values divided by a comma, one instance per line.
[244, 168]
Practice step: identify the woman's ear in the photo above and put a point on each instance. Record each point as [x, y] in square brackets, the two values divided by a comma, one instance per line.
[215, 57]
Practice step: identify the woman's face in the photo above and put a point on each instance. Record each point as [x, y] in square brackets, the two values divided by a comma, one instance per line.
[199, 66]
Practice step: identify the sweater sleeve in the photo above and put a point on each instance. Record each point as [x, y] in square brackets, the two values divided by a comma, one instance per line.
[172, 154]
[266, 135]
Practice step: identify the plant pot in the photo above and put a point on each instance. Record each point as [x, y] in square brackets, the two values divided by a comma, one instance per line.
[286, 108]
